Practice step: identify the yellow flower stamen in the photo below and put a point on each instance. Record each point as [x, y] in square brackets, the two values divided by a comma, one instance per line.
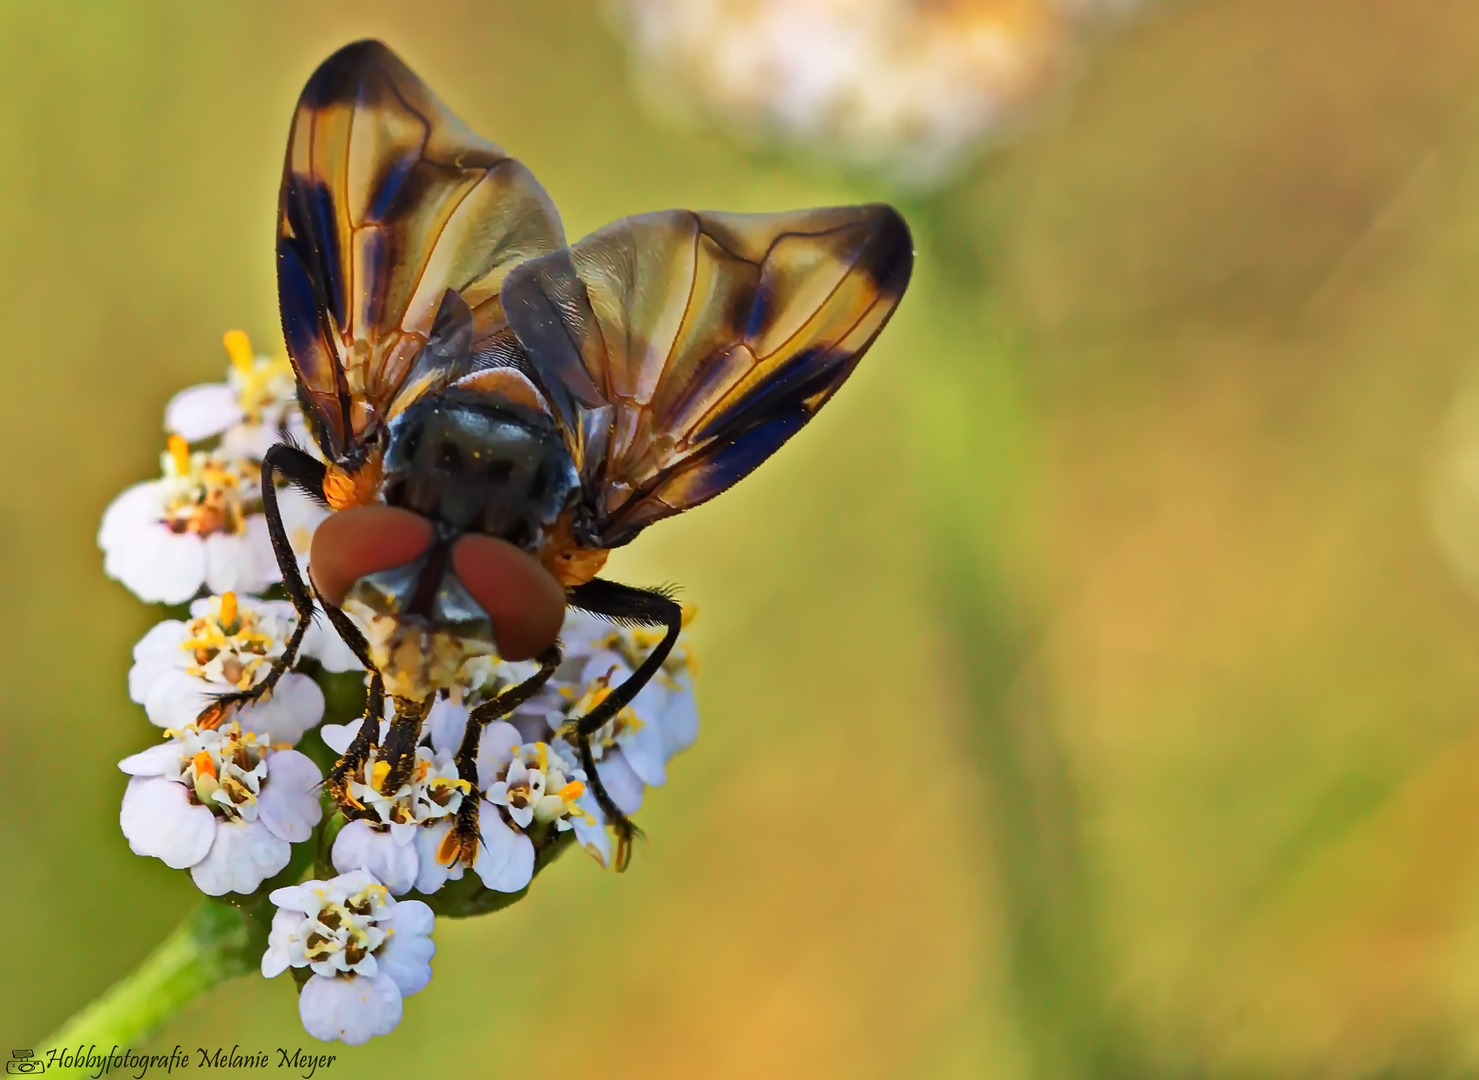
[228, 609]
[179, 450]
[378, 772]
[572, 791]
[204, 766]
[239, 348]
[450, 848]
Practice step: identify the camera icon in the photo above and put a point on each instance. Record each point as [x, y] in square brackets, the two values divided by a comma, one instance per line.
[24, 1062]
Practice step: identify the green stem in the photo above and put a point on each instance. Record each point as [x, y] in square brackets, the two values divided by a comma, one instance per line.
[213, 944]
[977, 435]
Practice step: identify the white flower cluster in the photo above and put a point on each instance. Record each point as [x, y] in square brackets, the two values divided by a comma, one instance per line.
[230, 802]
[906, 87]
[201, 522]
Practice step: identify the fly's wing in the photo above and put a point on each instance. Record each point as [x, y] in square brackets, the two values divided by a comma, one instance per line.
[388, 201]
[679, 350]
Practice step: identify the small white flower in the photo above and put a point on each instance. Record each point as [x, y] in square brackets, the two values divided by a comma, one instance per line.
[221, 802]
[632, 749]
[249, 411]
[200, 524]
[366, 949]
[398, 836]
[230, 644]
[400, 833]
[538, 782]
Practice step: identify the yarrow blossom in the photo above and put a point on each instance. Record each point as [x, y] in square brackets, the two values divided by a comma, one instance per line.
[398, 836]
[229, 644]
[226, 796]
[201, 524]
[366, 949]
[905, 87]
[221, 802]
[633, 748]
[249, 411]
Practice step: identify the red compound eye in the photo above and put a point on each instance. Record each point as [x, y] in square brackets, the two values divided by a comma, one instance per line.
[362, 540]
[526, 604]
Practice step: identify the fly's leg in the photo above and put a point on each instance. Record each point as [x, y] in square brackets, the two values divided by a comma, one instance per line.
[399, 751]
[358, 750]
[368, 736]
[628, 605]
[462, 841]
[306, 472]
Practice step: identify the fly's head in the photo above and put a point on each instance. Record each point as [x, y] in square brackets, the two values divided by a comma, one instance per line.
[473, 468]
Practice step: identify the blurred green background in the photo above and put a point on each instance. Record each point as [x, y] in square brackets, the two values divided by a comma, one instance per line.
[1084, 693]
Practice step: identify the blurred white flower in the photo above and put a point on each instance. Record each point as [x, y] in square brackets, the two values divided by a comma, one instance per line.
[200, 524]
[906, 87]
[230, 643]
[366, 949]
[221, 802]
[249, 411]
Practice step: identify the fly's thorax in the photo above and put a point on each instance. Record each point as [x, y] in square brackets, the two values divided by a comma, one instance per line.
[468, 464]
[474, 465]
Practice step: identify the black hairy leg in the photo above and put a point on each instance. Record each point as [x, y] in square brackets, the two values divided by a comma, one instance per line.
[630, 606]
[306, 472]
[368, 735]
[462, 842]
[399, 751]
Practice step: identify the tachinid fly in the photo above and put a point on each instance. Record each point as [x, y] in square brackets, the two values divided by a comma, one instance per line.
[456, 359]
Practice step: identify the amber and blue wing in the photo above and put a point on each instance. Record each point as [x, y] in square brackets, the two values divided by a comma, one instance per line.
[679, 350]
[388, 201]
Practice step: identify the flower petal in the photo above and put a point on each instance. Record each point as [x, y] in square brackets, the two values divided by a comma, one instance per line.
[277, 958]
[294, 706]
[199, 412]
[159, 820]
[301, 517]
[244, 855]
[337, 737]
[447, 721]
[359, 846]
[645, 749]
[135, 508]
[494, 750]
[154, 761]
[591, 834]
[161, 643]
[353, 1010]
[406, 954]
[157, 565]
[680, 718]
[249, 441]
[621, 782]
[431, 875]
[288, 804]
[243, 563]
[505, 859]
[322, 642]
[293, 897]
[175, 697]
